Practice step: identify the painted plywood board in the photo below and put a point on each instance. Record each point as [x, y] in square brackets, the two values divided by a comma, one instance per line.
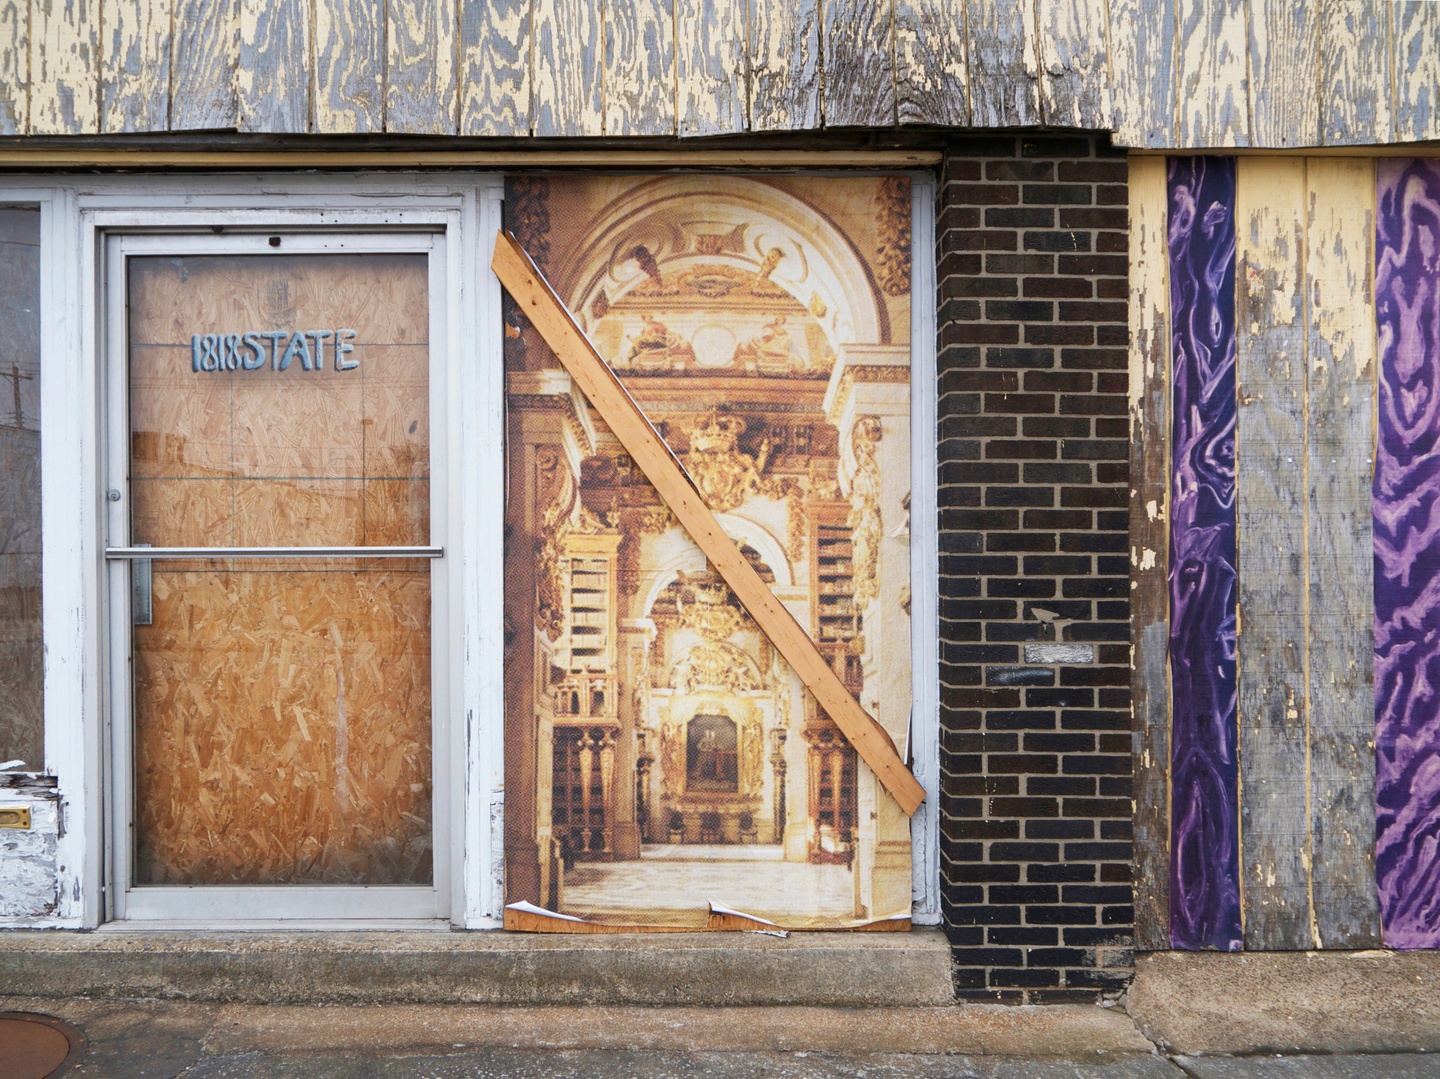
[1355, 71]
[1149, 547]
[1340, 219]
[1142, 57]
[272, 76]
[421, 92]
[567, 68]
[349, 67]
[711, 70]
[1074, 63]
[495, 68]
[639, 79]
[204, 49]
[1004, 64]
[932, 84]
[64, 67]
[14, 67]
[1270, 444]
[1416, 71]
[858, 42]
[784, 65]
[135, 65]
[1210, 73]
[1284, 73]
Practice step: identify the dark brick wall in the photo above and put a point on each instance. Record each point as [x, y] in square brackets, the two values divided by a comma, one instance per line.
[1035, 756]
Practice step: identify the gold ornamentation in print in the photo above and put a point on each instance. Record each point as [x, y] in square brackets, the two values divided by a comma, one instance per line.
[555, 490]
[724, 475]
[864, 519]
[892, 225]
[714, 666]
[529, 212]
[713, 614]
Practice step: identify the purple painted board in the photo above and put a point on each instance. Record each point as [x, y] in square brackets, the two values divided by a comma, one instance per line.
[1204, 830]
[1406, 501]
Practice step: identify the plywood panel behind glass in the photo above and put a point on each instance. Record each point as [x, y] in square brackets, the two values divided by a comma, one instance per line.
[282, 708]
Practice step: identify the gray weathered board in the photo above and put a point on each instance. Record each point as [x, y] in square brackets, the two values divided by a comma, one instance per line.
[1304, 438]
[1159, 73]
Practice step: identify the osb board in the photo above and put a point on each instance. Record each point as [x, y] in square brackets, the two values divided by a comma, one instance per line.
[268, 457]
[282, 726]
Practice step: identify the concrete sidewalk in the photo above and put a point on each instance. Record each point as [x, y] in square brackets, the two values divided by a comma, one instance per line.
[165, 1039]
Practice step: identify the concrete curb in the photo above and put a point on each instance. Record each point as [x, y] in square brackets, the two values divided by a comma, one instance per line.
[837, 969]
[1288, 1002]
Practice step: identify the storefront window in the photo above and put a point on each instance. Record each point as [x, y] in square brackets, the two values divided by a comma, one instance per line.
[22, 661]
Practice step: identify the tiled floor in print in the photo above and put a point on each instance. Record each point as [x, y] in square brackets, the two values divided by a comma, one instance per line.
[674, 885]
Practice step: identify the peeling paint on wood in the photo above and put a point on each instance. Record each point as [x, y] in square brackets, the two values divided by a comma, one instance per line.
[1074, 63]
[1270, 446]
[859, 53]
[1004, 67]
[567, 68]
[64, 67]
[1284, 42]
[640, 68]
[495, 68]
[135, 66]
[1142, 62]
[272, 79]
[784, 65]
[349, 64]
[14, 67]
[29, 881]
[421, 94]
[1416, 34]
[931, 79]
[710, 67]
[1355, 72]
[1212, 103]
[1149, 546]
[204, 46]
[1340, 221]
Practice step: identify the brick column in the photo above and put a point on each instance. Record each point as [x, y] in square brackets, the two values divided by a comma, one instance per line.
[1034, 577]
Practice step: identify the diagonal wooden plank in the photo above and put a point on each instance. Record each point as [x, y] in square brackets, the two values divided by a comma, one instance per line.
[528, 287]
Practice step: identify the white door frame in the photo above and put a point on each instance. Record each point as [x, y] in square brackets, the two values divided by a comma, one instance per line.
[214, 902]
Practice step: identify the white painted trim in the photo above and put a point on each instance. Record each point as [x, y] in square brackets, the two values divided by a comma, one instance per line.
[924, 559]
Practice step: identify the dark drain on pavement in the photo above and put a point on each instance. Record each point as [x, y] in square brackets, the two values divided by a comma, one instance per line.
[34, 1046]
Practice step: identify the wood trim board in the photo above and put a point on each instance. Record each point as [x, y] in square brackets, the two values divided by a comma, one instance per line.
[513, 266]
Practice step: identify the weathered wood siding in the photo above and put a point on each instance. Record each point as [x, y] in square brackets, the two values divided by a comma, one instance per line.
[1160, 73]
[1304, 444]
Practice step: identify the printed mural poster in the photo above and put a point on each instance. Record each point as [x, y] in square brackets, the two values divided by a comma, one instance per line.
[660, 755]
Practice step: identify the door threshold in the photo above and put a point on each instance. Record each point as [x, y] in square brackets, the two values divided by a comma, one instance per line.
[284, 925]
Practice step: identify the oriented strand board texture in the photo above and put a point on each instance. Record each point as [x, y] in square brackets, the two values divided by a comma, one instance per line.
[1185, 74]
[282, 715]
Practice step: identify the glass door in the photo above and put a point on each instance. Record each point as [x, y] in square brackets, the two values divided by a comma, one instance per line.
[275, 573]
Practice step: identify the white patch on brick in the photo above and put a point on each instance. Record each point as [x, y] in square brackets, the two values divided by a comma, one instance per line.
[1059, 653]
